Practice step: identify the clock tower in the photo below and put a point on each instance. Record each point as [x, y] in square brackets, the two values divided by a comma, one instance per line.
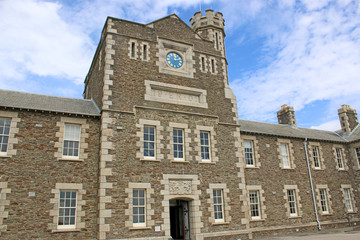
[168, 124]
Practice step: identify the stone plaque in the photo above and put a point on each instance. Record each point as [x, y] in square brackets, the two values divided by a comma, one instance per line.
[180, 187]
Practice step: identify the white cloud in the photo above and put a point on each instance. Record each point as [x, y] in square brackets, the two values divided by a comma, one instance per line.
[330, 126]
[57, 39]
[37, 41]
[318, 60]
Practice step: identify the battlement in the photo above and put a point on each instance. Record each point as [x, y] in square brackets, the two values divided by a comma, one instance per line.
[210, 19]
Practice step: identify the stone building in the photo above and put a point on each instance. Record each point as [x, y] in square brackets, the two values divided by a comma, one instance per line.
[155, 150]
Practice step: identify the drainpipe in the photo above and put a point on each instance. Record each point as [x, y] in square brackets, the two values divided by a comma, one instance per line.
[312, 187]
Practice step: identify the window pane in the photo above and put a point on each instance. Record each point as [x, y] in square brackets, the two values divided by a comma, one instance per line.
[67, 208]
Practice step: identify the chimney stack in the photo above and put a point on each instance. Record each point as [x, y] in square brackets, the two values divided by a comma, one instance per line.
[286, 115]
[348, 118]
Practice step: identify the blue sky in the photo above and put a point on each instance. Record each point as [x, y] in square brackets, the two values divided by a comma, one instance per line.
[304, 53]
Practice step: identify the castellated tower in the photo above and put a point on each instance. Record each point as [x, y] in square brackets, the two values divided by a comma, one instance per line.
[211, 27]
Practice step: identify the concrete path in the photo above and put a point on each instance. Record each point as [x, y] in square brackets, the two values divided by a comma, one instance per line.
[338, 235]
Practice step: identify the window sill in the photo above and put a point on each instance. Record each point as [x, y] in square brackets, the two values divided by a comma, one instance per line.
[287, 168]
[326, 214]
[207, 162]
[319, 169]
[5, 156]
[139, 228]
[149, 160]
[65, 230]
[342, 170]
[353, 212]
[294, 217]
[220, 223]
[179, 161]
[250, 166]
[257, 220]
[71, 159]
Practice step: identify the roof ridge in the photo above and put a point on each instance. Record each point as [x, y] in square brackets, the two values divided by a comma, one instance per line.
[45, 95]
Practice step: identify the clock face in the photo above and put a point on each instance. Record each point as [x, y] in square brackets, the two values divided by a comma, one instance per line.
[174, 60]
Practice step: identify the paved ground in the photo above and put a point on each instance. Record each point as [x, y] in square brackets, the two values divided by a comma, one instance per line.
[341, 234]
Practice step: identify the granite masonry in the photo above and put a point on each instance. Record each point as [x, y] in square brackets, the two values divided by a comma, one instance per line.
[155, 150]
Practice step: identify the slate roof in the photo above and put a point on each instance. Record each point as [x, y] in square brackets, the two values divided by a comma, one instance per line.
[22, 100]
[282, 130]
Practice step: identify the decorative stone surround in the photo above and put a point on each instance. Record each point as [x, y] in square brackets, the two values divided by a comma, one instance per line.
[213, 150]
[321, 155]
[158, 138]
[228, 92]
[105, 146]
[3, 203]
[194, 203]
[79, 203]
[203, 64]
[147, 51]
[226, 202]
[60, 134]
[328, 199]
[256, 152]
[186, 145]
[13, 116]
[148, 209]
[344, 159]
[184, 50]
[175, 94]
[297, 197]
[241, 175]
[213, 71]
[262, 206]
[291, 153]
[136, 54]
[353, 202]
[109, 62]
[354, 156]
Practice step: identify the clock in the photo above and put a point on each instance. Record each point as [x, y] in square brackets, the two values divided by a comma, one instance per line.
[174, 60]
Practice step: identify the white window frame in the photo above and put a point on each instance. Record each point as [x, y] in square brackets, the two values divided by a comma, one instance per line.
[4, 133]
[324, 201]
[288, 155]
[254, 195]
[357, 155]
[79, 212]
[291, 194]
[61, 136]
[292, 203]
[68, 127]
[260, 204]
[179, 144]
[316, 157]
[62, 202]
[212, 144]
[347, 196]
[148, 201]
[217, 205]
[226, 208]
[149, 141]
[138, 207]
[340, 157]
[251, 153]
[254, 151]
[158, 138]
[13, 129]
[204, 146]
[285, 155]
[320, 190]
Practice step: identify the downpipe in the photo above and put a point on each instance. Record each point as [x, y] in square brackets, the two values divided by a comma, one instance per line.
[311, 185]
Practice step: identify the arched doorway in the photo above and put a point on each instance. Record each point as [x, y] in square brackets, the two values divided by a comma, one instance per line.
[179, 219]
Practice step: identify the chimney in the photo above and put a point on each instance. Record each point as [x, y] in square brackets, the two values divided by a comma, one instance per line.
[348, 118]
[286, 115]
